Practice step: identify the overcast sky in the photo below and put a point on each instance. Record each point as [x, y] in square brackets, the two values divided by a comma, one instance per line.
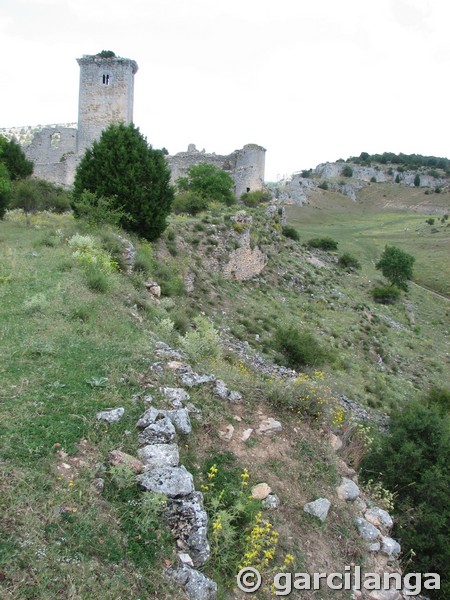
[310, 80]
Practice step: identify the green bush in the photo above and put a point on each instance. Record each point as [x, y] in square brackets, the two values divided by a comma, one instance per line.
[298, 348]
[396, 266]
[144, 262]
[373, 179]
[189, 202]
[386, 294]
[325, 243]
[417, 180]
[290, 232]
[252, 199]
[430, 221]
[96, 279]
[323, 185]
[347, 171]
[5, 190]
[413, 460]
[99, 210]
[348, 261]
[208, 181]
[33, 195]
[13, 157]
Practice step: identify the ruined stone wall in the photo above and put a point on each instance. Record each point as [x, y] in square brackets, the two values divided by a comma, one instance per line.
[52, 144]
[246, 166]
[106, 96]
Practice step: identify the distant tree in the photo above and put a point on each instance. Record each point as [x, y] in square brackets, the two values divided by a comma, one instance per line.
[5, 189]
[396, 266]
[208, 181]
[417, 180]
[13, 157]
[123, 167]
[347, 171]
[397, 178]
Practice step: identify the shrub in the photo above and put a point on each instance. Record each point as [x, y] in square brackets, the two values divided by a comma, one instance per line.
[397, 178]
[144, 262]
[396, 266]
[417, 180]
[298, 348]
[437, 190]
[99, 210]
[373, 179]
[325, 243]
[347, 171]
[252, 199]
[412, 460]
[386, 294]
[430, 221]
[290, 232]
[13, 157]
[189, 202]
[323, 185]
[348, 261]
[34, 195]
[208, 181]
[96, 279]
[203, 341]
[122, 166]
[5, 190]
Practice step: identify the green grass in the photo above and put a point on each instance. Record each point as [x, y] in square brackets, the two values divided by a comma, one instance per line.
[363, 228]
[57, 339]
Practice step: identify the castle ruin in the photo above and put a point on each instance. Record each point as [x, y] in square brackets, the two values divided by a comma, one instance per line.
[106, 96]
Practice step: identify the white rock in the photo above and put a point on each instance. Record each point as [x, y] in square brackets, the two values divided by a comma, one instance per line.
[159, 455]
[246, 434]
[261, 491]
[268, 426]
[111, 415]
[227, 435]
[348, 490]
[318, 508]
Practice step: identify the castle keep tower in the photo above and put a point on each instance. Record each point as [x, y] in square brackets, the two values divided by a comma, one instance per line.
[106, 95]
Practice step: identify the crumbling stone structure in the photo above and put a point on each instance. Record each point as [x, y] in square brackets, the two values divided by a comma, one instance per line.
[106, 96]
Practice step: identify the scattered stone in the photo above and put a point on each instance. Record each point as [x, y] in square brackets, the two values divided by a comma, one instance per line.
[235, 397]
[272, 502]
[153, 287]
[193, 379]
[150, 416]
[176, 365]
[360, 504]
[348, 490]
[161, 432]
[246, 434]
[197, 585]
[384, 595]
[367, 531]
[185, 559]
[336, 442]
[99, 484]
[268, 426]
[189, 521]
[374, 547]
[220, 389]
[196, 412]
[237, 418]
[227, 435]
[261, 491]
[110, 415]
[379, 517]
[390, 547]
[162, 346]
[117, 457]
[180, 420]
[177, 396]
[159, 455]
[319, 508]
[171, 481]
[148, 399]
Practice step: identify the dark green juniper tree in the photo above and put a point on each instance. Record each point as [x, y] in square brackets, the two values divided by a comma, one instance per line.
[123, 167]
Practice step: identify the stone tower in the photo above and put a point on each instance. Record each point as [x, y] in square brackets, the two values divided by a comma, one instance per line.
[250, 167]
[106, 95]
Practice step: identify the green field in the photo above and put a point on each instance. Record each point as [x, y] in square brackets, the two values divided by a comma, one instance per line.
[364, 227]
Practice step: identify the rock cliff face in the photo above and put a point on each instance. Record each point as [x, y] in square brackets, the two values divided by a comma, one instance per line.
[295, 189]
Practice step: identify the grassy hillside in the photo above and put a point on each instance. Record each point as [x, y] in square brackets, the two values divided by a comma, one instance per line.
[74, 341]
[384, 214]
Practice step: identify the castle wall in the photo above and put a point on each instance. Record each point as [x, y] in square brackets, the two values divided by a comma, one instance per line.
[246, 166]
[106, 96]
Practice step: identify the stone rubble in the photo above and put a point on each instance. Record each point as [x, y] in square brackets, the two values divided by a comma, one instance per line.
[110, 415]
